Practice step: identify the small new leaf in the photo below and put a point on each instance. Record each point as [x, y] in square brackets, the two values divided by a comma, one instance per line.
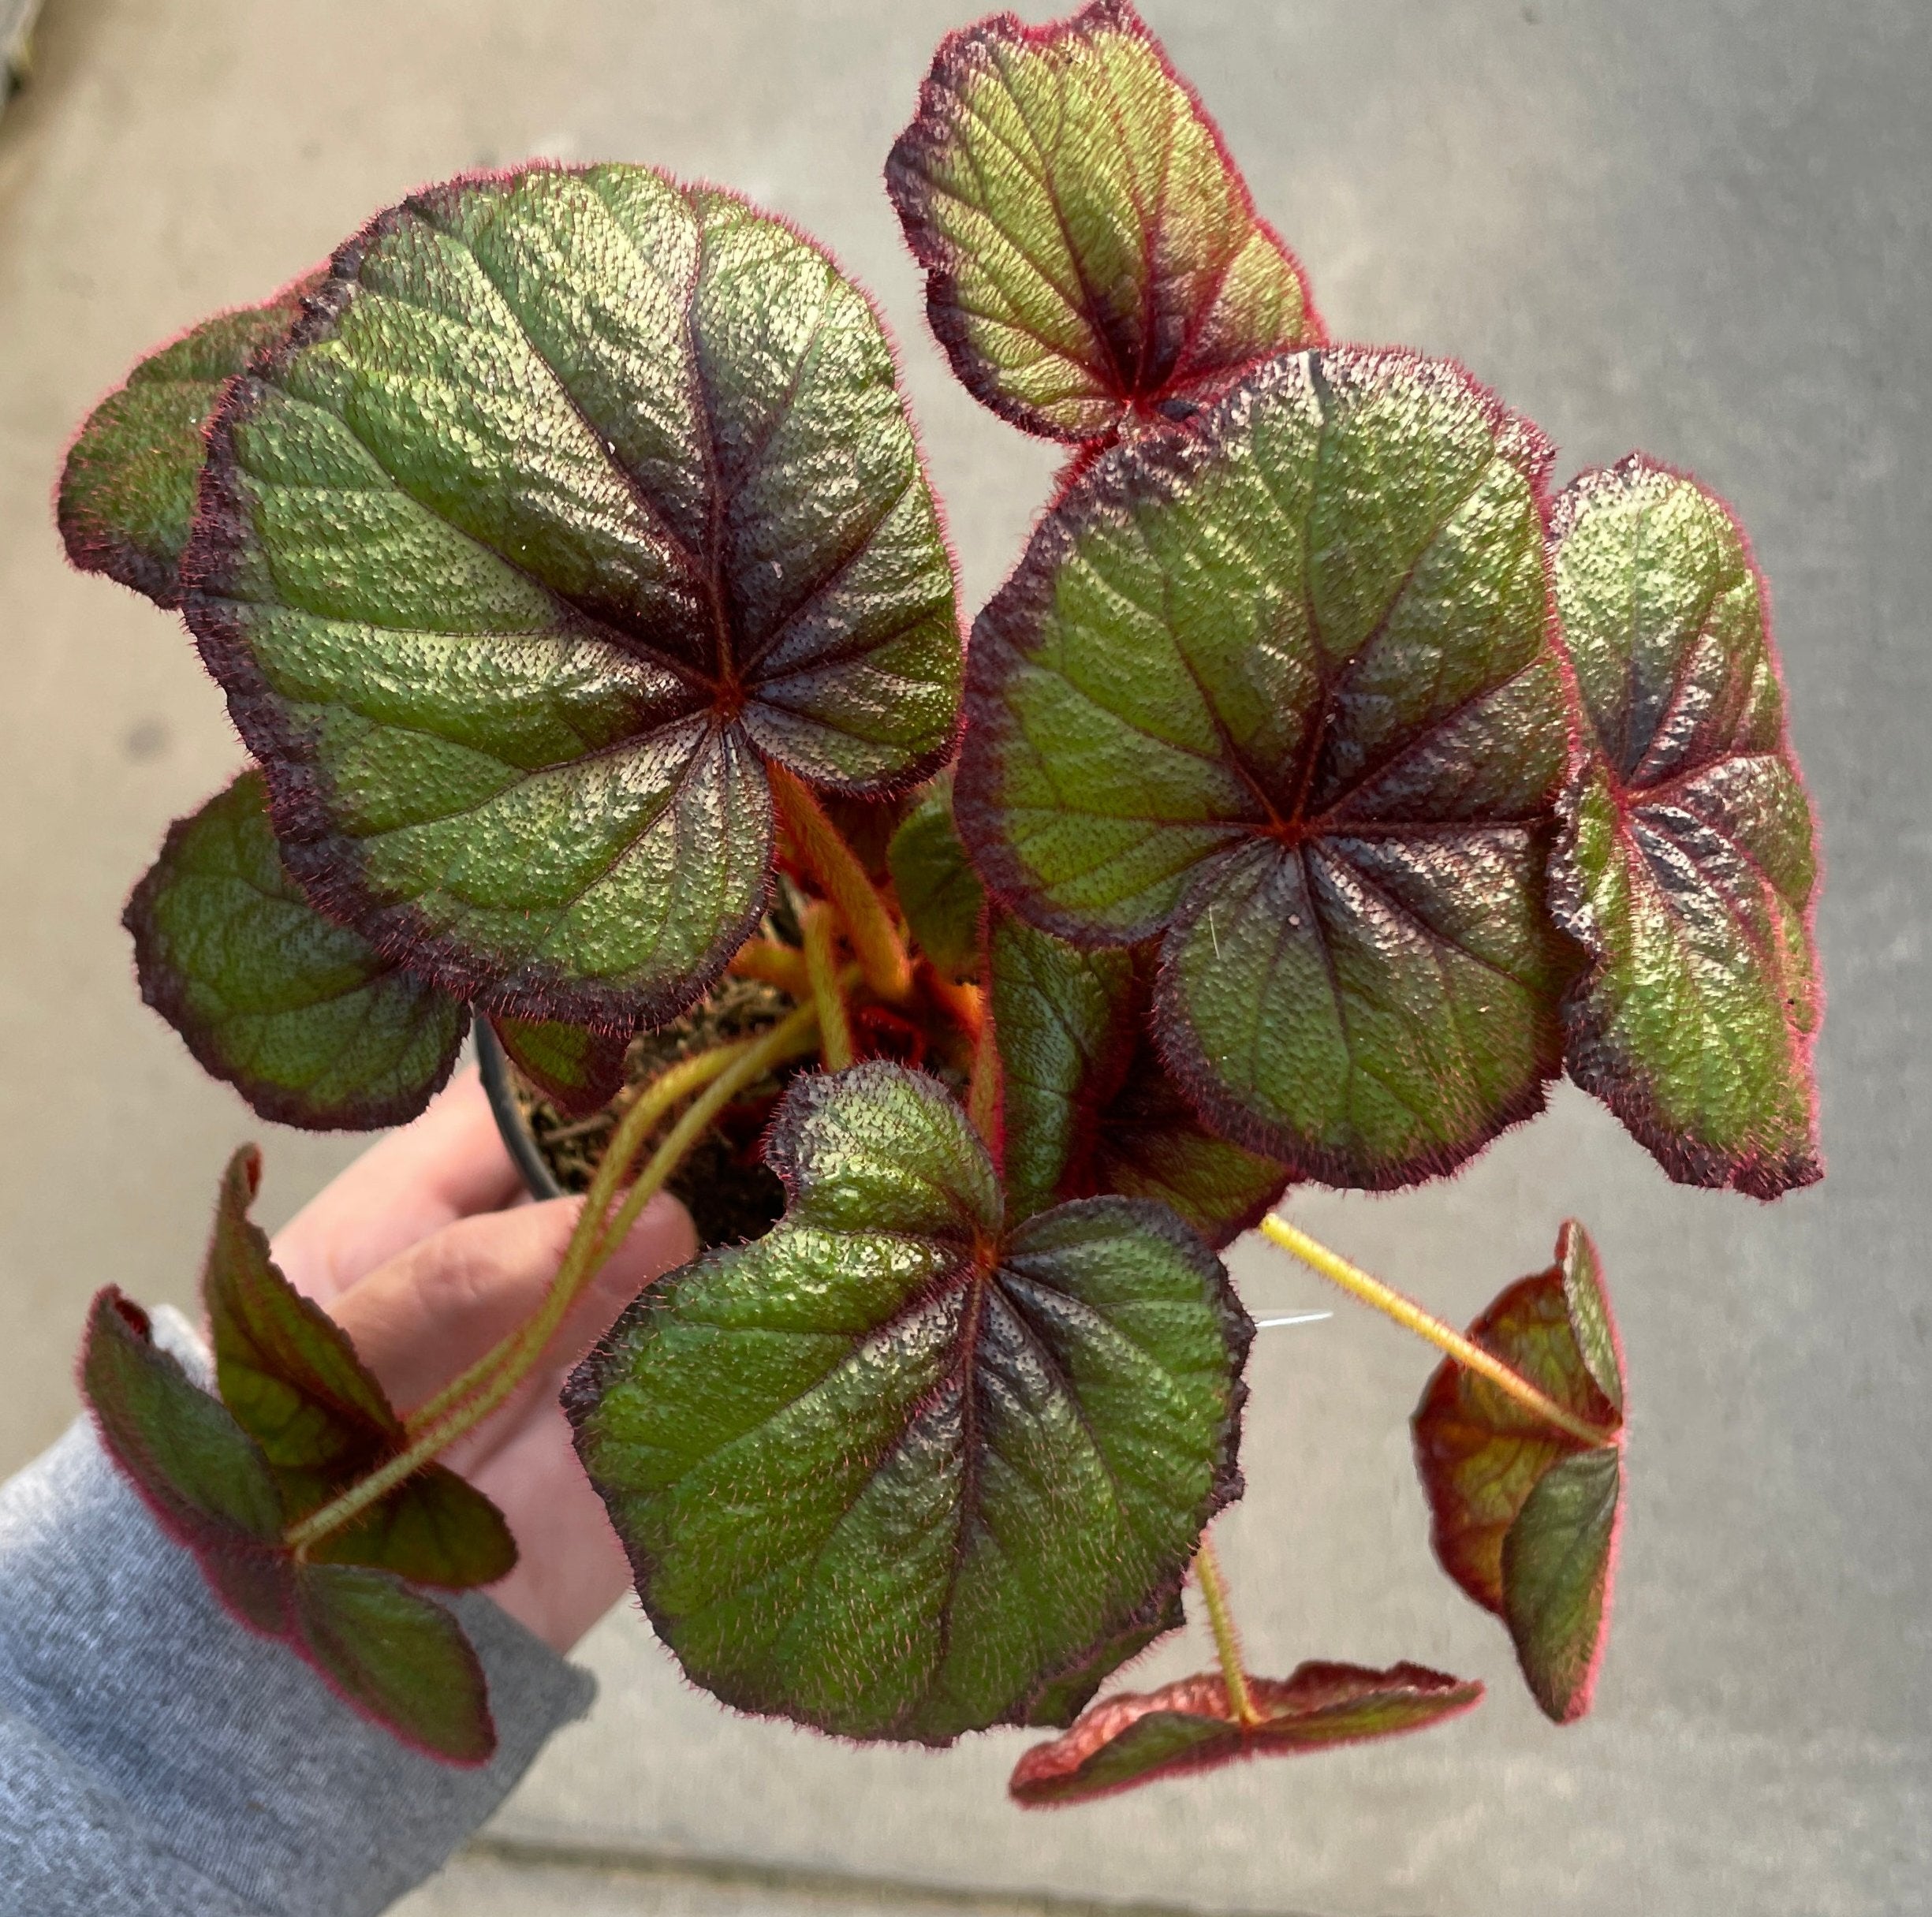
[580, 1071]
[1092, 256]
[292, 1380]
[1137, 1738]
[576, 496]
[1686, 866]
[1089, 1107]
[398, 1658]
[126, 503]
[1525, 1516]
[893, 1470]
[1280, 688]
[939, 890]
[303, 1016]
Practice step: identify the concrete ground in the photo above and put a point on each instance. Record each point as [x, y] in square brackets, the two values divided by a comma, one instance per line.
[1700, 226]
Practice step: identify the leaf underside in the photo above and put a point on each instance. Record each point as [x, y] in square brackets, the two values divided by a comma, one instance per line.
[1092, 257]
[126, 502]
[1523, 1516]
[1686, 866]
[1088, 1107]
[576, 496]
[1279, 689]
[893, 1470]
[308, 1021]
[396, 1657]
[1138, 1738]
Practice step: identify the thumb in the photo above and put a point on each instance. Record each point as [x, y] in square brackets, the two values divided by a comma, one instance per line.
[433, 1310]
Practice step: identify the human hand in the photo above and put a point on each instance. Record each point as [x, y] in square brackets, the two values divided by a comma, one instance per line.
[420, 1252]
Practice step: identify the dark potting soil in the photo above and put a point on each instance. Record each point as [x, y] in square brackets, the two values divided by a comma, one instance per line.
[731, 1194]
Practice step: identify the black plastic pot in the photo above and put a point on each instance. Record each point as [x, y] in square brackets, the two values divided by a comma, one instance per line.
[518, 1138]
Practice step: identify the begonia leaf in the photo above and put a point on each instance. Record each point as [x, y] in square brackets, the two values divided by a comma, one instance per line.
[397, 1658]
[1524, 1516]
[938, 889]
[1136, 1738]
[126, 502]
[1092, 256]
[576, 495]
[303, 1016]
[1088, 1106]
[580, 1071]
[1281, 689]
[1061, 1700]
[1686, 866]
[893, 1470]
[291, 1379]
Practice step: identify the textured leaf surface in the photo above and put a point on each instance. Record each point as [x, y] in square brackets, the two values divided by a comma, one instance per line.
[1686, 867]
[1089, 1107]
[1061, 1700]
[1524, 1517]
[397, 1658]
[578, 1070]
[127, 494]
[1137, 1738]
[290, 1377]
[892, 1469]
[1283, 687]
[303, 1017]
[939, 890]
[577, 495]
[1091, 254]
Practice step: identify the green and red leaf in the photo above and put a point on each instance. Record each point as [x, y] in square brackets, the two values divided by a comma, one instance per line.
[1092, 256]
[1686, 867]
[1525, 1516]
[1088, 1107]
[289, 1376]
[397, 1658]
[1137, 1738]
[894, 1470]
[126, 503]
[1280, 689]
[311, 1023]
[579, 1070]
[938, 889]
[575, 496]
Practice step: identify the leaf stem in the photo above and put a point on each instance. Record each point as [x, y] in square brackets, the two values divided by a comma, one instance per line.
[765, 959]
[984, 1090]
[1227, 1637]
[963, 1004]
[875, 940]
[487, 1385]
[1411, 1317]
[822, 972]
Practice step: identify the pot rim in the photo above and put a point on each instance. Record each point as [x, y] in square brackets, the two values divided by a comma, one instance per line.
[518, 1139]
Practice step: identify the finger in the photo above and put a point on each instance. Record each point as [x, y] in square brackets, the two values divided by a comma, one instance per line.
[450, 1163]
[570, 1568]
[435, 1308]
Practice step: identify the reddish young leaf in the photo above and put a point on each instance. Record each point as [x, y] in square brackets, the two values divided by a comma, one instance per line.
[127, 494]
[577, 497]
[395, 1656]
[1280, 689]
[580, 1071]
[1092, 256]
[311, 1023]
[1088, 1106]
[1525, 1516]
[1137, 1738]
[1686, 866]
[292, 1380]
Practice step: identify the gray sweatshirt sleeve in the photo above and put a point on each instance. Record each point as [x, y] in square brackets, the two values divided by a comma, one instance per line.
[156, 1759]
